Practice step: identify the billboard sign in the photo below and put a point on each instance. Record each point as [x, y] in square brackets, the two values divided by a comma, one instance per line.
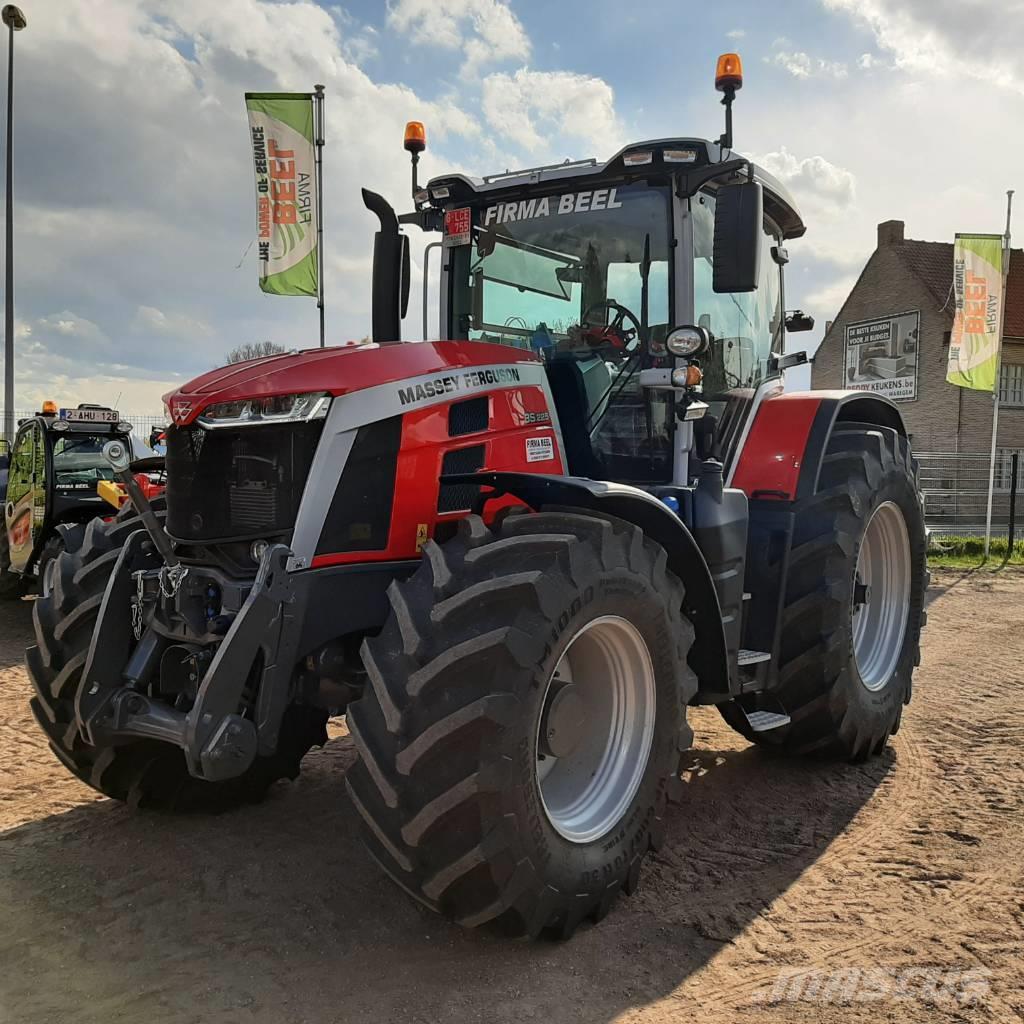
[882, 355]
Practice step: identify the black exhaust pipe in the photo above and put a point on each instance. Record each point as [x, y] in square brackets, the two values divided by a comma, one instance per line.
[390, 291]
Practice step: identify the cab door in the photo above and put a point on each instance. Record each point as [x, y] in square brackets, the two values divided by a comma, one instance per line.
[25, 508]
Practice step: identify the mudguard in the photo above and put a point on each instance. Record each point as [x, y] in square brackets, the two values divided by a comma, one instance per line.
[708, 657]
[781, 455]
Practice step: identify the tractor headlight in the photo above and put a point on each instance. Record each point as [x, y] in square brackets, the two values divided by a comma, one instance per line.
[689, 341]
[275, 409]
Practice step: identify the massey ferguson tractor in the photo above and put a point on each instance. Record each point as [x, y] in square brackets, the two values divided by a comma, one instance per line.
[513, 558]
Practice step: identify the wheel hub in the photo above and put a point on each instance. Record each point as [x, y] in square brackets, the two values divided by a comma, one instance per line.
[881, 596]
[564, 722]
[596, 728]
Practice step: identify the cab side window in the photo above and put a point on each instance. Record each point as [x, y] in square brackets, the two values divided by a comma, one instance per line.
[23, 460]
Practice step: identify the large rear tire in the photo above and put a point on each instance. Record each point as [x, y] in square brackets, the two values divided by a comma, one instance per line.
[144, 773]
[524, 720]
[854, 601]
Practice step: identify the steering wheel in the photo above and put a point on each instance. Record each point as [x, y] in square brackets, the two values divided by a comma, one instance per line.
[622, 339]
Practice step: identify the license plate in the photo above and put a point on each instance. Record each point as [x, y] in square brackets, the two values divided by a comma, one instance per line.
[458, 227]
[89, 415]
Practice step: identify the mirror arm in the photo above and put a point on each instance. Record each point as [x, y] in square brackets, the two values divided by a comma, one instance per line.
[425, 220]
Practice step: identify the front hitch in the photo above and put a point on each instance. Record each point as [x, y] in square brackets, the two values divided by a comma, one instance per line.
[219, 736]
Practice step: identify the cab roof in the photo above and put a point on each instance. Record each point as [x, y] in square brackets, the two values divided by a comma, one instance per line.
[779, 203]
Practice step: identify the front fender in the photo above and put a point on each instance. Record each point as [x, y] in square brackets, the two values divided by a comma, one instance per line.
[708, 657]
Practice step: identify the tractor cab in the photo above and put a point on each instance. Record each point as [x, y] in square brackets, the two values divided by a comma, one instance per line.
[50, 478]
[608, 273]
[650, 284]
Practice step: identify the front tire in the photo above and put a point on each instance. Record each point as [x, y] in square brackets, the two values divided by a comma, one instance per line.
[854, 600]
[144, 773]
[524, 720]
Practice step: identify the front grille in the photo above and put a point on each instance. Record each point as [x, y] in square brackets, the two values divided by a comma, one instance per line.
[359, 518]
[460, 497]
[468, 417]
[233, 484]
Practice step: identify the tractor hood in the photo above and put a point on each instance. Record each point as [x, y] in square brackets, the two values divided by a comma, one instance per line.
[337, 371]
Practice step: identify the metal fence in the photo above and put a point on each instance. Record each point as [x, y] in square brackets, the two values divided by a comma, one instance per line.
[955, 488]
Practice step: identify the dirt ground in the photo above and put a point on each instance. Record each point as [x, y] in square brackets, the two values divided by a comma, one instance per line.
[274, 915]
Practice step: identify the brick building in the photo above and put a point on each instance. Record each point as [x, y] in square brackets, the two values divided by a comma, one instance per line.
[892, 336]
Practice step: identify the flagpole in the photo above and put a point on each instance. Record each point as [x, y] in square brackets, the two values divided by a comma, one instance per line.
[995, 388]
[319, 116]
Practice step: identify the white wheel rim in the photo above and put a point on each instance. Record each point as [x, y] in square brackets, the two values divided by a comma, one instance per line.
[586, 790]
[881, 598]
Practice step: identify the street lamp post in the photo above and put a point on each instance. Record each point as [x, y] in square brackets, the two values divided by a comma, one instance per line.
[15, 22]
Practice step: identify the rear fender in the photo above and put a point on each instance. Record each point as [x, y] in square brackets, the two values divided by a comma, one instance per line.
[782, 454]
[778, 466]
[708, 656]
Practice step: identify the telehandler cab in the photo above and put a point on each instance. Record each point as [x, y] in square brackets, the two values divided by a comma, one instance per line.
[515, 557]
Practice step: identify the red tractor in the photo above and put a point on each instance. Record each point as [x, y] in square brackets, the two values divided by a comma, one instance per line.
[515, 557]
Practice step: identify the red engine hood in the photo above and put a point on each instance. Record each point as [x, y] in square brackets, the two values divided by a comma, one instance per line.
[335, 370]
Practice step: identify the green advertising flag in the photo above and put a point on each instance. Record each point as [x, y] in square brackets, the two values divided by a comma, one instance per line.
[978, 291]
[282, 139]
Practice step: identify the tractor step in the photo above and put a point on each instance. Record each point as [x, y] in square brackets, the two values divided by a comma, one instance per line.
[763, 721]
[747, 657]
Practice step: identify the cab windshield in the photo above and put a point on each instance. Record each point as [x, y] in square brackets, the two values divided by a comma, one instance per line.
[583, 279]
[78, 462]
[548, 264]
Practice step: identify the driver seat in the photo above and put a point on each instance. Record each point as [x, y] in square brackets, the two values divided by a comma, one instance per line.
[565, 375]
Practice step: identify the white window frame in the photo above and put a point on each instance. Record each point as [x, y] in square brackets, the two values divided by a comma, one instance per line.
[1001, 481]
[1011, 385]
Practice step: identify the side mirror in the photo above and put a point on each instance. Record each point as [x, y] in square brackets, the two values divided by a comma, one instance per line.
[739, 218]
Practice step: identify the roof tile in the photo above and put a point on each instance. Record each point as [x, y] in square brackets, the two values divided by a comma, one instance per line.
[932, 263]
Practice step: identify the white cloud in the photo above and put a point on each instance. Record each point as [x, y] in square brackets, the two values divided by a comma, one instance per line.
[802, 65]
[532, 108]
[486, 31]
[815, 182]
[828, 299]
[134, 178]
[736, 33]
[983, 39]
[150, 320]
[867, 61]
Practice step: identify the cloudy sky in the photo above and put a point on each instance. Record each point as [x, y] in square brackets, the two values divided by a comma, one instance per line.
[134, 182]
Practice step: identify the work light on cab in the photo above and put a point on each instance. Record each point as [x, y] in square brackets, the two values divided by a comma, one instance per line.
[686, 342]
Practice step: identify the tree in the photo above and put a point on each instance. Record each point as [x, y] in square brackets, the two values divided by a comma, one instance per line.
[254, 350]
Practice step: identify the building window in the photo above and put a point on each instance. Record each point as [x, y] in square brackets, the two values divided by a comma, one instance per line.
[1004, 468]
[1011, 384]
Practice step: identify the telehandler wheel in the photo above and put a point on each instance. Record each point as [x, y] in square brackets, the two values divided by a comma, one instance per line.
[144, 773]
[854, 603]
[524, 719]
[12, 584]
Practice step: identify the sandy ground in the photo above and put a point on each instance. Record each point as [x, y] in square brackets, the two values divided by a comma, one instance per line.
[273, 914]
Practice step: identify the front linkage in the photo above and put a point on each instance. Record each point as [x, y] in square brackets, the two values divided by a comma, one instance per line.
[257, 653]
[219, 644]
